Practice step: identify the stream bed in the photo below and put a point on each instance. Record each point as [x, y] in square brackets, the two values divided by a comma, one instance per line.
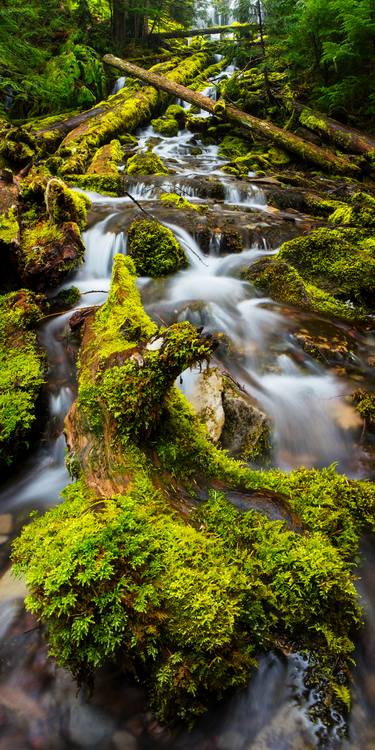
[313, 425]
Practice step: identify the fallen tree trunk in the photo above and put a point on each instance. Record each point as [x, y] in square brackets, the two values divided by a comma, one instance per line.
[341, 135]
[185, 33]
[324, 158]
[122, 115]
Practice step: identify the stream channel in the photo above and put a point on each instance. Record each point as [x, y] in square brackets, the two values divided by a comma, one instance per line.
[313, 425]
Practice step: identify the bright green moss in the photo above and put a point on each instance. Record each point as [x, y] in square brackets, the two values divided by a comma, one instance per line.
[360, 212]
[63, 204]
[21, 371]
[107, 159]
[9, 228]
[339, 261]
[172, 199]
[365, 405]
[176, 112]
[105, 184]
[154, 248]
[286, 285]
[146, 163]
[187, 599]
[165, 126]
[37, 238]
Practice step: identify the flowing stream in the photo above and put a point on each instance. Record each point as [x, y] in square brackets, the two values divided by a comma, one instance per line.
[313, 425]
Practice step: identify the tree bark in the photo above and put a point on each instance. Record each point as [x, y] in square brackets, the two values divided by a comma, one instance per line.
[185, 33]
[323, 158]
[341, 135]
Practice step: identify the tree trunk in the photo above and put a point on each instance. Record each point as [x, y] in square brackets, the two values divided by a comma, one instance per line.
[185, 33]
[341, 135]
[123, 114]
[324, 158]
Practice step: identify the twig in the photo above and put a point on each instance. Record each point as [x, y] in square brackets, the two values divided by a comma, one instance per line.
[139, 205]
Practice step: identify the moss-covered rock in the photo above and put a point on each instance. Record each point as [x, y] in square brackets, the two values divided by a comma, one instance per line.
[365, 404]
[22, 372]
[64, 205]
[107, 159]
[359, 212]
[146, 163]
[284, 284]
[154, 248]
[339, 261]
[232, 147]
[166, 126]
[9, 227]
[176, 112]
[178, 201]
[187, 599]
[112, 184]
[49, 252]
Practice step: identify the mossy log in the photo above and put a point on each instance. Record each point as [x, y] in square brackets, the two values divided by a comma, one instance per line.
[323, 158]
[341, 135]
[124, 116]
[127, 568]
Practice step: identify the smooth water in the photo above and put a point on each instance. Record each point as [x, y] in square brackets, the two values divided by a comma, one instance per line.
[312, 423]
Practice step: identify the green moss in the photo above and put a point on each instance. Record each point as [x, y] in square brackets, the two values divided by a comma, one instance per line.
[64, 205]
[172, 199]
[339, 261]
[21, 371]
[286, 285]
[123, 112]
[360, 212]
[187, 599]
[146, 163]
[154, 249]
[107, 159]
[9, 227]
[65, 299]
[365, 405]
[36, 239]
[176, 112]
[232, 147]
[165, 126]
[104, 184]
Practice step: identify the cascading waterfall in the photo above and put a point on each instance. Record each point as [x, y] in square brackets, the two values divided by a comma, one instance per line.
[297, 393]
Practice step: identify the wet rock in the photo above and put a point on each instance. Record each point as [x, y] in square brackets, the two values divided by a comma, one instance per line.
[231, 415]
[6, 523]
[286, 731]
[123, 740]
[207, 399]
[11, 587]
[87, 726]
[48, 254]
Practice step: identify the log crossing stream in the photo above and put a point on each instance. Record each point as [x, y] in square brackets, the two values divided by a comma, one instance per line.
[312, 425]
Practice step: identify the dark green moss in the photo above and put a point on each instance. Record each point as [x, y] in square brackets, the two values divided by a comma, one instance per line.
[154, 249]
[165, 126]
[22, 371]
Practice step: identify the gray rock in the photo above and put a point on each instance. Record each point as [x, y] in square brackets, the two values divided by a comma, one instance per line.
[230, 415]
[88, 726]
[6, 523]
[123, 740]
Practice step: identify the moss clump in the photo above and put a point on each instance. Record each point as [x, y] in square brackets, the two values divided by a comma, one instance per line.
[165, 126]
[21, 371]
[339, 261]
[231, 147]
[107, 159]
[176, 112]
[65, 299]
[99, 183]
[146, 163]
[9, 227]
[286, 285]
[154, 248]
[365, 405]
[360, 212]
[49, 252]
[186, 599]
[65, 205]
[172, 199]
